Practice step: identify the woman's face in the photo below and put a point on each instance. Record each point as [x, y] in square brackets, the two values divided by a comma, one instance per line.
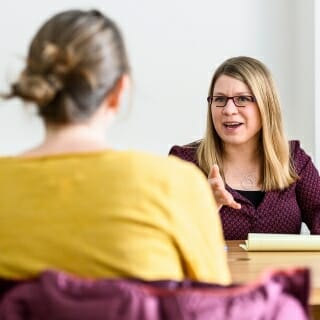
[236, 125]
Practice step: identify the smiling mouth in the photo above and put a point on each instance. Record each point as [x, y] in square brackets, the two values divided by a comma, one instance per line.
[232, 125]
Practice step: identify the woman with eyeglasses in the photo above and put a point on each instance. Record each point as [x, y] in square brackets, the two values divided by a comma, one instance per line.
[261, 183]
[75, 204]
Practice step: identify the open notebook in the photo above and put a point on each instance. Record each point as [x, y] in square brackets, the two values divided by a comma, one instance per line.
[281, 242]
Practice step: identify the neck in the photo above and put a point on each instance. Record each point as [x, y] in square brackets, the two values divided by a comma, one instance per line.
[242, 154]
[242, 167]
[69, 139]
[74, 132]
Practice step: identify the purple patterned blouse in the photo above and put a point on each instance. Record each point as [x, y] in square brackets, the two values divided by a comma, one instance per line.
[281, 211]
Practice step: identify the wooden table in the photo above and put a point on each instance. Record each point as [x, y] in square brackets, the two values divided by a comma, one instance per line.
[247, 266]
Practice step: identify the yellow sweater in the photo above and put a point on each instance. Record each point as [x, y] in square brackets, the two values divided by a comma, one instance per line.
[109, 214]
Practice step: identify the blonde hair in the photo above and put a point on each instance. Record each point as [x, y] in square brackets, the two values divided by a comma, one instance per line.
[278, 170]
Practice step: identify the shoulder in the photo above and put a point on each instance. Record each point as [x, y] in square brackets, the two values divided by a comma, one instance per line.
[162, 164]
[163, 170]
[294, 146]
[186, 152]
[299, 157]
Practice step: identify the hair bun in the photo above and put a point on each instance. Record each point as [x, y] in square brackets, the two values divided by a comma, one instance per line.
[37, 89]
[74, 62]
[55, 60]
[41, 82]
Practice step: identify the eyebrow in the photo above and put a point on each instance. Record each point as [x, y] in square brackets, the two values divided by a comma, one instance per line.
[237, 94]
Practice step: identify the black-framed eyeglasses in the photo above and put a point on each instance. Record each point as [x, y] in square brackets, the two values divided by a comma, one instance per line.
[239, 101]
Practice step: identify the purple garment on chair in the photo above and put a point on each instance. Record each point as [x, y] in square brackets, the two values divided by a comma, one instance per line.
[281, 211]
[57, 296]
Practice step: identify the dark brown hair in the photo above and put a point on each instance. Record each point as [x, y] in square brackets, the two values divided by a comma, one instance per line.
[74, 61]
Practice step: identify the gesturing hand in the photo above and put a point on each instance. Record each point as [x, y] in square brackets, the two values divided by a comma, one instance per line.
[221, 195]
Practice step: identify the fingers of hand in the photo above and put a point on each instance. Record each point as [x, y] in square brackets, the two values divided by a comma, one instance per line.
[235, 205]
[223, 197]
[216, 183]
[214, 172]
[232, 203]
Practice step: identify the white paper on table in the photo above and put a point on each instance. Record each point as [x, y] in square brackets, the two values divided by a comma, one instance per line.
[281, 242]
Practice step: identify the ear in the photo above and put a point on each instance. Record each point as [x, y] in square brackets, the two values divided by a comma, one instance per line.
[113, 99]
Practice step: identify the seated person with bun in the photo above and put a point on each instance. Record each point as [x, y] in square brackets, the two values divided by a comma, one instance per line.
[73, 203]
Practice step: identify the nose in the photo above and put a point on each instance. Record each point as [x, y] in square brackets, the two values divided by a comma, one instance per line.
[230, 108]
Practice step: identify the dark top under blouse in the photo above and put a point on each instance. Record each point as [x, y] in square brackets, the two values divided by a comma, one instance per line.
[255, 197]
[280, 211]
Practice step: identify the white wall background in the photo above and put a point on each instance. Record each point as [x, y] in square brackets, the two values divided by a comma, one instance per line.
[174, 47]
